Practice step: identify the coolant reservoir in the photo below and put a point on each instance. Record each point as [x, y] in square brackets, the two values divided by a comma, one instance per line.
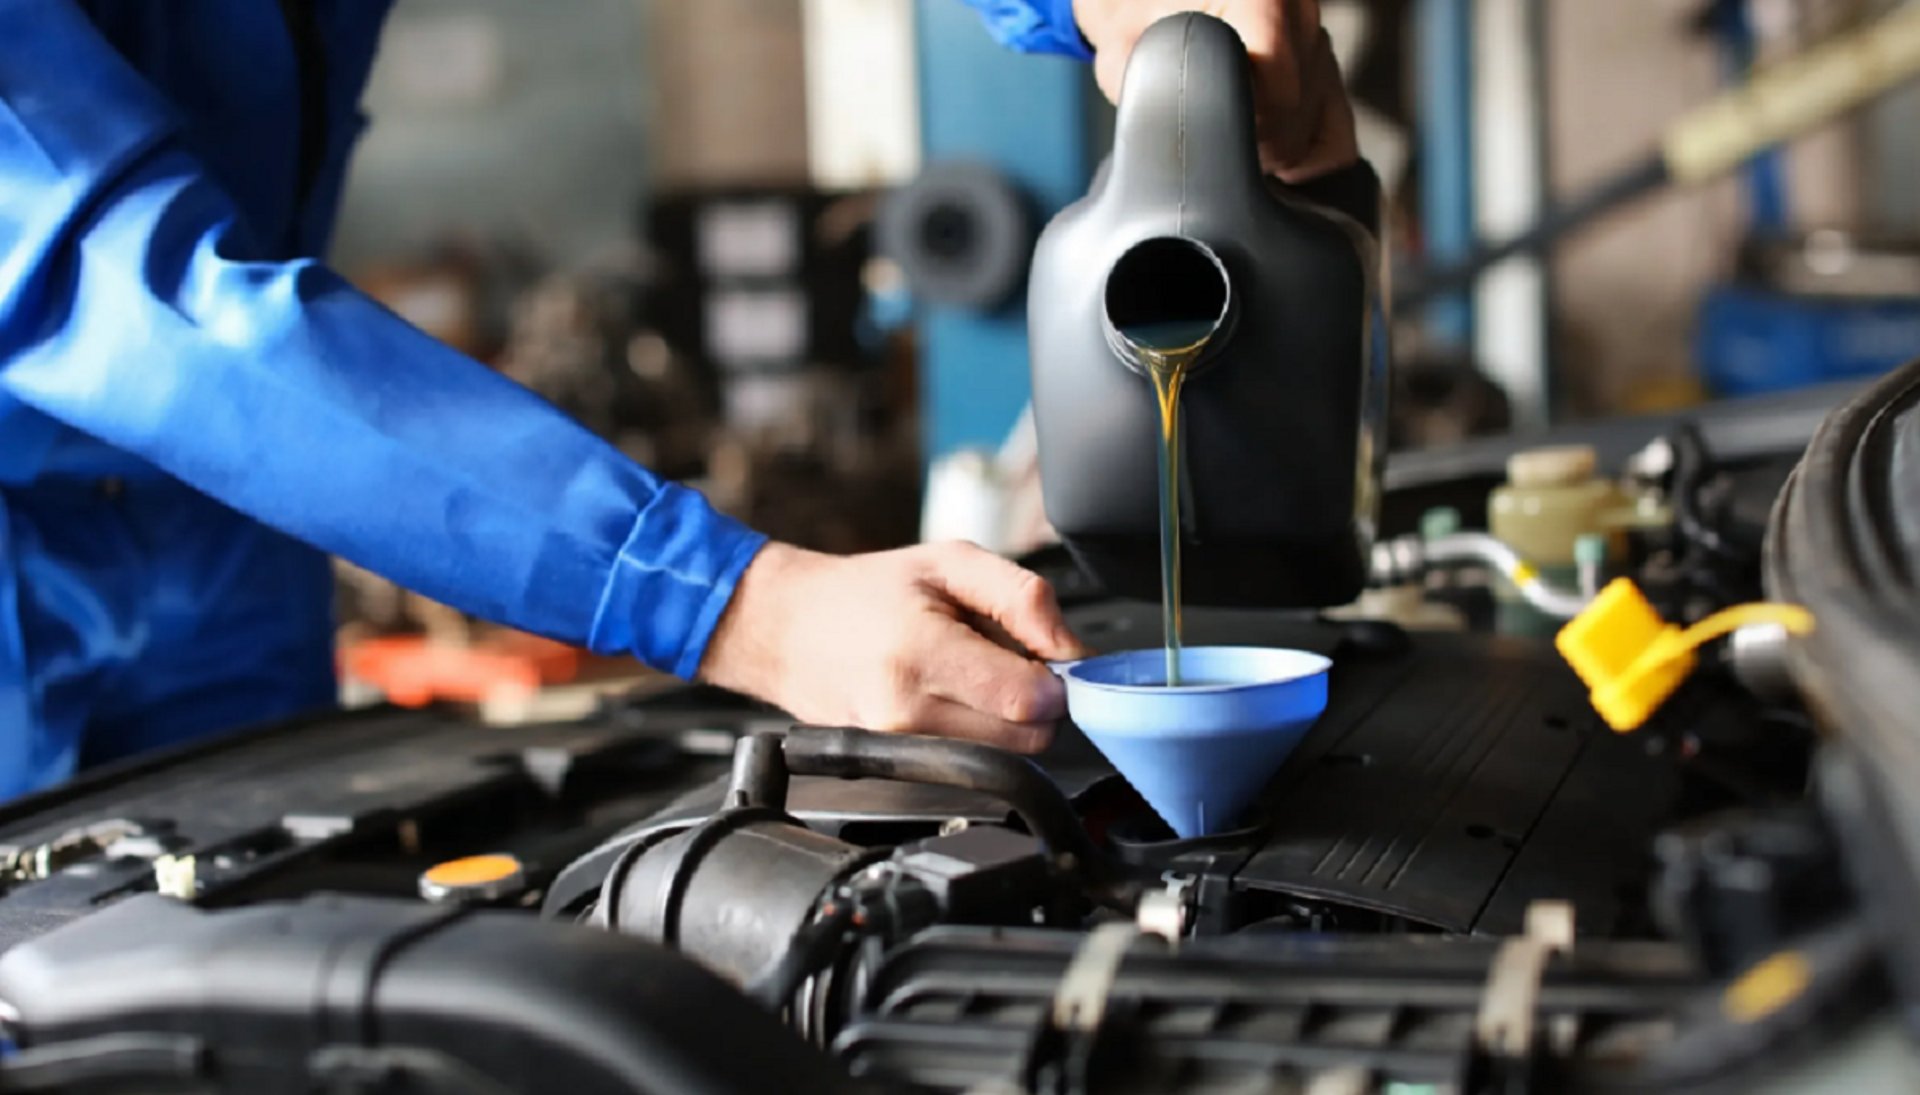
[1552, 497]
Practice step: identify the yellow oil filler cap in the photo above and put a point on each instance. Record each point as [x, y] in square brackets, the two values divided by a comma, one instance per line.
[476, 878]
[1631, 660]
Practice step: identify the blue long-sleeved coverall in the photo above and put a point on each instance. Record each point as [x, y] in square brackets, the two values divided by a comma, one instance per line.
[194, 408]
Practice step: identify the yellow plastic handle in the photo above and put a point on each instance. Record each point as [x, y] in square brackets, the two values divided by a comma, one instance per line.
[1681, 644]
[1797, 621]
[1788, 98]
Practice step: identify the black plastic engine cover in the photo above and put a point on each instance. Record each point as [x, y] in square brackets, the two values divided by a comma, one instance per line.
[360, 994]
[1454, 779]
[967, 1009]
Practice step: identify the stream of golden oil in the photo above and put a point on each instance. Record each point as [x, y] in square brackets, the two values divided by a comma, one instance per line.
[1168, 350]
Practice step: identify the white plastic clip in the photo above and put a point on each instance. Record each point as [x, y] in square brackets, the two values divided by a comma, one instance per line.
[1504, 1026]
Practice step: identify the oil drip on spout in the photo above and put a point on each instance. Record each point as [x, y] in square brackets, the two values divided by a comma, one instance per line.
[1166, 301]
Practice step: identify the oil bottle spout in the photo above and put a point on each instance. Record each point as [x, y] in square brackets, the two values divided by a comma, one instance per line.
[1167, 293]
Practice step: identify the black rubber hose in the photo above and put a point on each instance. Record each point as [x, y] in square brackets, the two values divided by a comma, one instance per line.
[1713, 1052]
[1692, 464]
[1013, 779]
[110, 1063]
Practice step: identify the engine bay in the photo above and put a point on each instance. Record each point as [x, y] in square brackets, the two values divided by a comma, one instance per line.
[1462, 880]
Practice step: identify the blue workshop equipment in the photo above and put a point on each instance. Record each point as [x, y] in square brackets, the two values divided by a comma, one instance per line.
[1753, 339]
[1026, 117]
[1443, 44]
[1198, 753]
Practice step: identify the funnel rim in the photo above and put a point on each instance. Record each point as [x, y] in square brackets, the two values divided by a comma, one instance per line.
[1311, 665]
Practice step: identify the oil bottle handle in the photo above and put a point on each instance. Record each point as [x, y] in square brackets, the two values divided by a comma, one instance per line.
[1184, 131]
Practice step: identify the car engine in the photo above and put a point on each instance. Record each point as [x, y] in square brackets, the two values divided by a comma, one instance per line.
[1462, 881]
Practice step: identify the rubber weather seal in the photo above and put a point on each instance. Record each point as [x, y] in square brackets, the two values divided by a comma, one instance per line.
[1844, 542]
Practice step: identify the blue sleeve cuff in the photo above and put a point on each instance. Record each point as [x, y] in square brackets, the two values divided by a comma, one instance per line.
[1034, 26]
[671, 581]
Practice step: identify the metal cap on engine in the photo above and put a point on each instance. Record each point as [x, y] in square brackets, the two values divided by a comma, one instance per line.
[473, 879]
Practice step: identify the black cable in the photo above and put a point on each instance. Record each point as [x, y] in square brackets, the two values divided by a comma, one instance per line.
[1562, 219]
[1711, 566]
[1692, 465]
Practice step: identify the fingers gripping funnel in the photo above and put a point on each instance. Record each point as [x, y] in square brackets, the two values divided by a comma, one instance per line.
[1198, 753]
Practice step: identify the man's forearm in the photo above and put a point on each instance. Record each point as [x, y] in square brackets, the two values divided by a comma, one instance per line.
[133, 307]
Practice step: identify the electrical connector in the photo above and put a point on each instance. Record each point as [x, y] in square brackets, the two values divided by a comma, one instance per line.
[1631, 660]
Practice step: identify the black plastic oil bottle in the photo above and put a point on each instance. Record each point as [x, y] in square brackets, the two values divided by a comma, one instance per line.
[1282, 429]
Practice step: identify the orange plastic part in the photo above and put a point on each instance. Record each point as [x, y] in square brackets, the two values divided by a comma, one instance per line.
[413, 672]
[474, 870]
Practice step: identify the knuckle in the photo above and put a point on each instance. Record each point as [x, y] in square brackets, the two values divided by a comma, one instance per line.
[888, 721]
[958, 551]
[890, 713]
[1032, 593]
[1015, 702]
[907, 715]
[903, 674]
[1030, 739]
[930, 560]
[921, 712]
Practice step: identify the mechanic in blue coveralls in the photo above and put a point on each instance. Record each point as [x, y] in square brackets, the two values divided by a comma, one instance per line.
[195, 409]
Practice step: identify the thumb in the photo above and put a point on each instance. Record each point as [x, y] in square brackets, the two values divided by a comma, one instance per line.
[1015, 599]
[1325, 123]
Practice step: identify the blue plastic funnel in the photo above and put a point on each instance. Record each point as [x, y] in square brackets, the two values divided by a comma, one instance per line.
[1198, 753]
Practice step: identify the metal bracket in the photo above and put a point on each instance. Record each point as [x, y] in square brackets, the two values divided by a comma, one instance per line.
[37, 862]
[1166, 912]
[1081, 1000]
[176, 877]
[1504, 1027]
[1350, 1080]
